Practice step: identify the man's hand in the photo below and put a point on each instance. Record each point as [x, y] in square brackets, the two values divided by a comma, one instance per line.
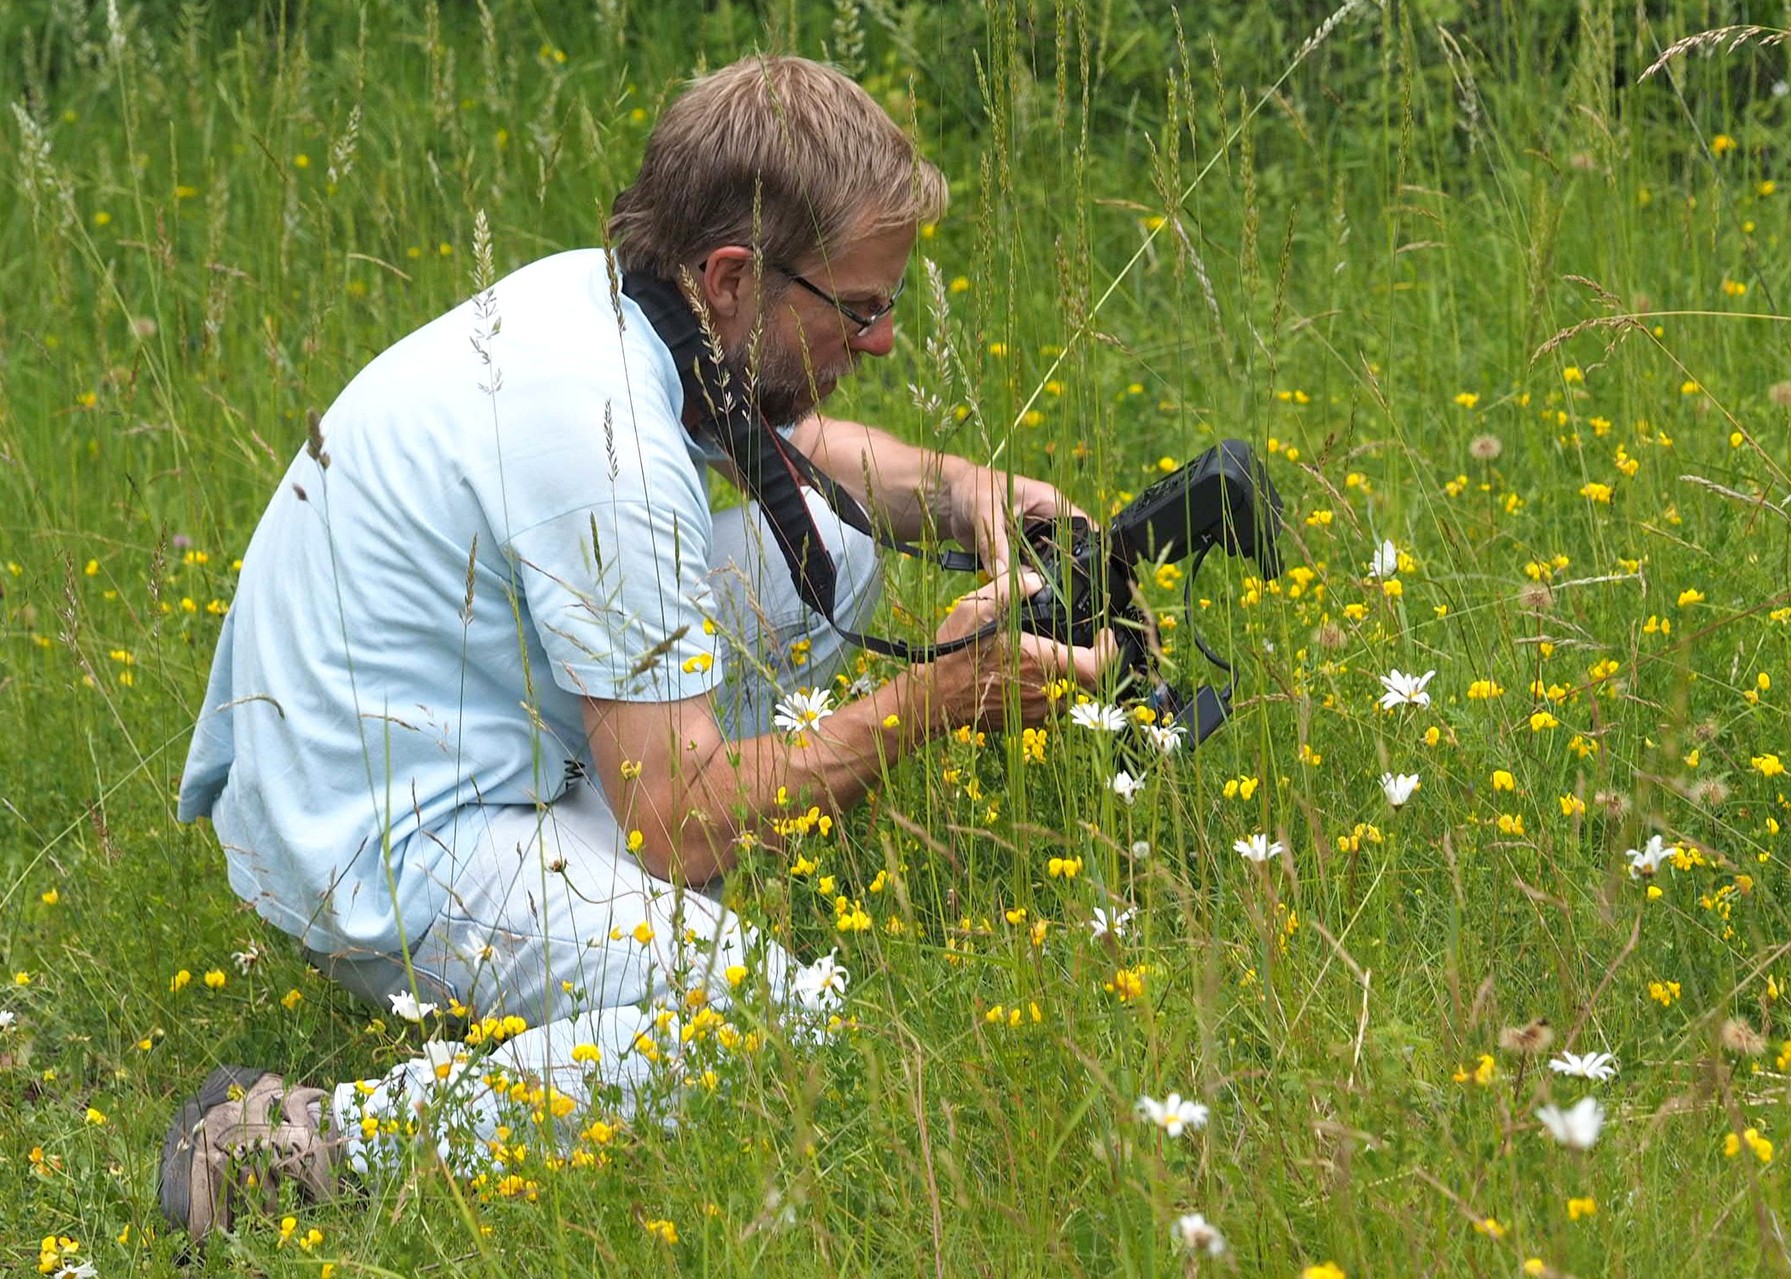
[987, 506]
[973, 684]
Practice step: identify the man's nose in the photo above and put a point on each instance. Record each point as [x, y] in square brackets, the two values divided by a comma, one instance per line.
[879, 339]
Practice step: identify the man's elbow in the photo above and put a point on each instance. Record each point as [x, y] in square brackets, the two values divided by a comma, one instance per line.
[688, 858]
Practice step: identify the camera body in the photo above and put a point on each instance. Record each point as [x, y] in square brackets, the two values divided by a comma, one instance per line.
[1223, 498]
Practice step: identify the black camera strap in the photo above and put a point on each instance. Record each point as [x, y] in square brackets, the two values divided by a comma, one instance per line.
[774, 472]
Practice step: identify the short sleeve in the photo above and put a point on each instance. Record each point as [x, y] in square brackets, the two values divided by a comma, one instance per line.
[620, 598]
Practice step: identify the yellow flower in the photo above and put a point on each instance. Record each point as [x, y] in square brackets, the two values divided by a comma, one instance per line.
[1467, 399]
[95, 1117]
[1324, 1270]
[1593, 491]
[215, 978]
[292, 999]
[1571, 374]
[1502, 780]
[960, 284]
[1482, 689]
[1542, 720]
[1768, 765]
[1490, 1226]
[698, 664]
[1722, 143]
[179, 981]
[1577, 1208]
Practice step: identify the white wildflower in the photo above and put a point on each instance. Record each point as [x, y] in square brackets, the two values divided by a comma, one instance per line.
[1405, 690]
[1386, 560]
[802, 710]
[1195, 1233]
[1173, 1115]
[445, 1061]
[8, 1019]
[246, 959]
[1399, 787]
[1259, 848]
[819, 986]
[1599, 1066]
[409, 1007]
[1578, 1126]
[1646, 860]
[1099, 716]
[1126, 786]
[1167, 738]
[1102, 925]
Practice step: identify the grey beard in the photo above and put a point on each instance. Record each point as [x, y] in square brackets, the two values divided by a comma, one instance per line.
[783, 385]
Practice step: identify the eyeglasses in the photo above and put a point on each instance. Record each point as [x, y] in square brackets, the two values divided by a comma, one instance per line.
[865, 320]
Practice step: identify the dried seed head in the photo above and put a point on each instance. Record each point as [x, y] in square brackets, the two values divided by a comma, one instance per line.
[1736, 1036]
[1613, 804]
[1537, 597]
[1330, 635]
[1708, 792]
[314, 439]
[1528, 1041]
[1485, 448]
[1780, 394]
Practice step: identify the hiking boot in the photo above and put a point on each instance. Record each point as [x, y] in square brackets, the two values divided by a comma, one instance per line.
[234, 1143]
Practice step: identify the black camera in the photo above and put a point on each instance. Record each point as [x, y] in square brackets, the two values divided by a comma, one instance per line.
[1223, 498]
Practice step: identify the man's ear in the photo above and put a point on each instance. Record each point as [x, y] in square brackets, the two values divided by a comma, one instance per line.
[728, 282]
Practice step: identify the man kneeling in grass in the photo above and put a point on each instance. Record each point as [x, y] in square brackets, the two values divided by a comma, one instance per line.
[500, 699]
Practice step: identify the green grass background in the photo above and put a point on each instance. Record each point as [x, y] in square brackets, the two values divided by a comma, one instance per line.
[1361, 257]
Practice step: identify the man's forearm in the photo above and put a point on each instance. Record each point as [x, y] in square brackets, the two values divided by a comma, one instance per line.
[731, 788]
[907, 487]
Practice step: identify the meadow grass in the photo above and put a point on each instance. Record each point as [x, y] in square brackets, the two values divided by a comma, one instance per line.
[1464, 278]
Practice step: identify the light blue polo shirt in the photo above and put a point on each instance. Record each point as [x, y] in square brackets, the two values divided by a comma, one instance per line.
[357, 710]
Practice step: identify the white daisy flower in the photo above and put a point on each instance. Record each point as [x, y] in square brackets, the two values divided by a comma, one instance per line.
[1399, 787]
[246, 959]
[819, 986]
[1259, 848]
[1102, 926]
[445, 1061]
[1386, 560]
[8, 1018]
[407, 1006]
[1167, 738]
[1099, 716]
[1647, 859]
[1126, 786]
[802, 710]
[1173, 1115]
[1578, 1126]
[1599, 1066]
[1195, 1233]
[1405, 690]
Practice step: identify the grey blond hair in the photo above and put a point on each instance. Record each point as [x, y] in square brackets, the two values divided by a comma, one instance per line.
[784, 155]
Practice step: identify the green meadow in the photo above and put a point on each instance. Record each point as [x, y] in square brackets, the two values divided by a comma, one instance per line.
[1499, 284]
